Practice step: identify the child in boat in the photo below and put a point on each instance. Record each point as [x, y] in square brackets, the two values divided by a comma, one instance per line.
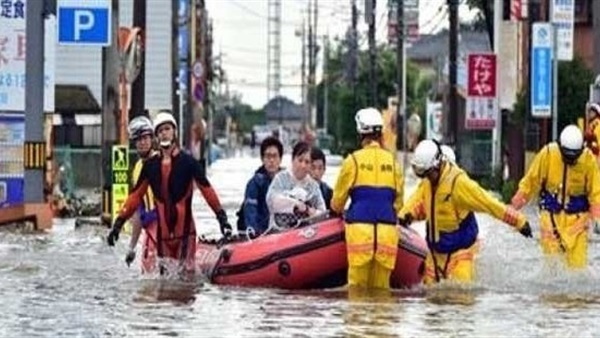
[317, 170]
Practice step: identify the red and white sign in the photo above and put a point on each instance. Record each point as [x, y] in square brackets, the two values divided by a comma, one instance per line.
[482, 75]
[515, 10]
[482, 100]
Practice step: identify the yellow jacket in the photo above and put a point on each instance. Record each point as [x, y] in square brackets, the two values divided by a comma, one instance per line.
[372, 178]
[564, 182]
[592, 136]
[453, 201]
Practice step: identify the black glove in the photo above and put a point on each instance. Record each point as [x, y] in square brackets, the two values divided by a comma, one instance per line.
[113, 235]
[406, 220]
[130, 257]
[224, 225]
[526, 230]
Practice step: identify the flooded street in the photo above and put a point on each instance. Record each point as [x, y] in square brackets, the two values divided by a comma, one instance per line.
[69, 283]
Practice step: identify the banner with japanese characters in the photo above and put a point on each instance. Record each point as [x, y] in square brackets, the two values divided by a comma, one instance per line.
[12, 57]
[482, 101]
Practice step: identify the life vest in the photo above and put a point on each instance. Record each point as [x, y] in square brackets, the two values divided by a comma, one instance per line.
[461, 238]
[147, 210]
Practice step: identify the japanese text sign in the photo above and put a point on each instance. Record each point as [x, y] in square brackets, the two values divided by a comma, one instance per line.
[482, 75]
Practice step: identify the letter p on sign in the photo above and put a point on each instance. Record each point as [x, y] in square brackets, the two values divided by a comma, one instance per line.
[84, 23]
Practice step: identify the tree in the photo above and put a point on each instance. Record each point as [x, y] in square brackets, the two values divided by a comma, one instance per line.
[574, 78]
[485, 16]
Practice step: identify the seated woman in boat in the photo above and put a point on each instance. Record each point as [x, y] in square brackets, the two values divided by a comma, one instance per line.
[293, 193]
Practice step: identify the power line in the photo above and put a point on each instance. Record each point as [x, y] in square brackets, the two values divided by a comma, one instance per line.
[226, 48]
[258, 15]
[439, 23]
[238, 63]
[242, 83]
[434, 16]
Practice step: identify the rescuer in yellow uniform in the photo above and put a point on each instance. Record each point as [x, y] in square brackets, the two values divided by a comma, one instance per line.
[447, 199]
[372, 179]
[141, 132]
[565, 177]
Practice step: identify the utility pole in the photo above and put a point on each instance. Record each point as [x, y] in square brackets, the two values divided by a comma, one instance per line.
[326, 84]
[596, 19]
[208, 103]
[354, 55]
[303, 70]
[138, 95]
[452, 128]
[309, 87]
[110, 107]
[34, 103]
[401, 73]
[497, 132]
[370, 13]
[313, 78]
[175, 59]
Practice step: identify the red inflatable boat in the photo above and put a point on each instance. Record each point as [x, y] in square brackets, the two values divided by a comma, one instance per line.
[312, 256]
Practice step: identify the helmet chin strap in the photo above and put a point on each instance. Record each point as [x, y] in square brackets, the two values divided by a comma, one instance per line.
[165, 144]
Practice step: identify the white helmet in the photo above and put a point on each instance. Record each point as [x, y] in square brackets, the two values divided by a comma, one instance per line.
[162, 118]
[594, 107]
[427, 156]
[571, 138]
[139, 126]
[448, 153]
[571, 143]
[368, 121]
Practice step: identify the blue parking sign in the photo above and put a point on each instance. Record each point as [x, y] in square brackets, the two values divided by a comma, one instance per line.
[84, 22]
[541, 70]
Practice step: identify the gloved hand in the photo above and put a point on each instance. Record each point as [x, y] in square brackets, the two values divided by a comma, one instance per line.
[526, 230]
[130, 257]
[405, 221]
[224, 225]
[113, 235]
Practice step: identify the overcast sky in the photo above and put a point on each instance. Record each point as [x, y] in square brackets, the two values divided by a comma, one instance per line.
[240, 34]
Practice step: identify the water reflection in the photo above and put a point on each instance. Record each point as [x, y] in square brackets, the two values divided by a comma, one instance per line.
[177, 292]
[449, 293]
[371, 313]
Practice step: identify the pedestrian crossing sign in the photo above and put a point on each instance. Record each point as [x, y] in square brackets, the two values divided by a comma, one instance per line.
[120, 158]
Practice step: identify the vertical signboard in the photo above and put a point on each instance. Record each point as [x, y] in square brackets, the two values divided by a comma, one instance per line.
[12, 57]
[411, 20]
[482, 100]
[563, 14]
[541, 70]
[12, 138]
[434, 120]
[120, 169]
